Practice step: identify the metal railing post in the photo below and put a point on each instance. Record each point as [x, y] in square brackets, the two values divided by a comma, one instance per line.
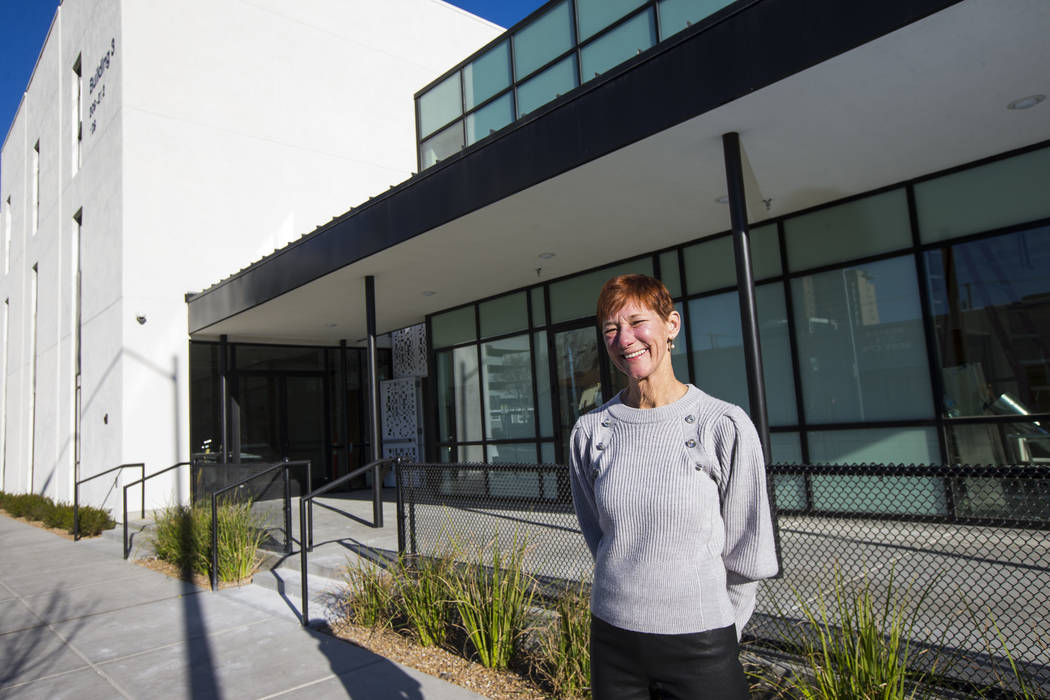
[125, 520]
[288, 513]
[305, 612]
[214, 545]
[76, 511]
[377, 495]
[400, 485]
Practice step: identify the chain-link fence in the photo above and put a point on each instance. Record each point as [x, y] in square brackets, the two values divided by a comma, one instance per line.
[964, 550]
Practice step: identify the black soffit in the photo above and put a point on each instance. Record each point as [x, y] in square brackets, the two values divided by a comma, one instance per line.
[750, 46]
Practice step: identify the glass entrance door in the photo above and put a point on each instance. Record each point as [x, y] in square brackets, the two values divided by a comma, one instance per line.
[583, 378]
[283, 415]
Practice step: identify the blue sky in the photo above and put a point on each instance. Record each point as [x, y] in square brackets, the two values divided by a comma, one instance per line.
[24, 25]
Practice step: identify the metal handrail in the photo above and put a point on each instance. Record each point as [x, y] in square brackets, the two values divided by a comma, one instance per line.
[377, 517]
[214, 574]
[143, 481]
[76, 494]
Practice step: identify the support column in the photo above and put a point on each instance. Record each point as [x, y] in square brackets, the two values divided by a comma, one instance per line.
[344, 406]
[224, 400]
[745, 281]
[373, 397]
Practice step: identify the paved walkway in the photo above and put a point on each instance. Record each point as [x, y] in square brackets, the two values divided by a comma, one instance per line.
[78, 621]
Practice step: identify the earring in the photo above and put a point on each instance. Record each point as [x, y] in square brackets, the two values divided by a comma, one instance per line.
[670, 343]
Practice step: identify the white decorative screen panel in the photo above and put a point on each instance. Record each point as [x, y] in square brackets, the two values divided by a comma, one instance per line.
[409, 348]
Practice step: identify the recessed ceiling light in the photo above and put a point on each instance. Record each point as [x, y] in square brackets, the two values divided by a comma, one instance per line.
[331, 325]
[545, 256]
[1026, 102]
[724, 199]
[429, 293]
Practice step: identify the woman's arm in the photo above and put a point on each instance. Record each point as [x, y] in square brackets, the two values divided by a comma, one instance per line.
[582, 485]
[750, 550]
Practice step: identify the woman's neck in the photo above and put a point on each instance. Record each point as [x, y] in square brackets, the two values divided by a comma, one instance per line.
[653, 392]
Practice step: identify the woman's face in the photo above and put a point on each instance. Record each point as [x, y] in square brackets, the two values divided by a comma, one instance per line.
[636, 339]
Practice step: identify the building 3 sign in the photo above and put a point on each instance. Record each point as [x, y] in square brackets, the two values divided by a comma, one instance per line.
[96, 84]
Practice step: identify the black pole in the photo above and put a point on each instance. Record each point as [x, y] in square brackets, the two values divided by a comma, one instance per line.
[344, 403]
[745, 282]
[373, 399]
[224, 400]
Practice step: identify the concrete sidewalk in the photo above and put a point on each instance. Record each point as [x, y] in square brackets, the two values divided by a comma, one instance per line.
[78, 621]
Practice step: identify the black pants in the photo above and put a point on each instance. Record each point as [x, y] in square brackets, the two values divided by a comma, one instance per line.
[629, 665]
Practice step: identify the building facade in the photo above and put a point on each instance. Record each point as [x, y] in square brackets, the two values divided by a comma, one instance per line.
[897, 181]
[158, 147]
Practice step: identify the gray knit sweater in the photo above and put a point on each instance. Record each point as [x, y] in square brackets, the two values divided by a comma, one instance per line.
[672, 502]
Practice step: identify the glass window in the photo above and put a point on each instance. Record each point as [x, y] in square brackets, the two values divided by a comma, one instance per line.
[856, 229]
[1022, 442]
[613, 48]
[487, 75]
[523, 484]
[911, 495]
[596, 15]
[717, 344]
[440, 105]
[861, 348]
[711, 264]
[507, 367]
[453, 327]
[991, 312]
[539, 310]
[987, 197]
[490, 118]
[503, 315]
[546, 86]
[577, 296]
[543, 384]
[459, 406]
[676, 15]
[545, 38]
[442, 145]
[205, 424]
[547, 456]
[670, 274]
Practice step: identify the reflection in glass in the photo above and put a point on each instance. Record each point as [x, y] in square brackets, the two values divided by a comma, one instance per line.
[486, 75]
[440, 105]
[503, 315]
[1023, 442]
[991, 309]
[490, 118]
[579, 376]
[717, 344]
[546, 86]
[459, 408]
[625, 41]
[442, 145]
[862, 353]
[507, 375]
[546, 37]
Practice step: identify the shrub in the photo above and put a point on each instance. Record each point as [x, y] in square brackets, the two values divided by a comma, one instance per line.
[855, 650]
[423, 596]
[564, 654]
[492, 600]
[33, 506]
[183, 537]
[372, 590]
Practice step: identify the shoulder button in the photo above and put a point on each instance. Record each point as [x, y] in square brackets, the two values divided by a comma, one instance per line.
[690, 418]
[600, 446]
[606, 422]
[690, 443]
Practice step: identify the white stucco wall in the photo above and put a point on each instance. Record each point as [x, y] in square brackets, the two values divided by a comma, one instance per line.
[214, 132]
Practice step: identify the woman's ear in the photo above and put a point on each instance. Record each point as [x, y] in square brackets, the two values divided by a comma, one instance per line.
[674, 325]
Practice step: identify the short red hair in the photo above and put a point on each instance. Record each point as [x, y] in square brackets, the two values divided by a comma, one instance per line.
[641, 289]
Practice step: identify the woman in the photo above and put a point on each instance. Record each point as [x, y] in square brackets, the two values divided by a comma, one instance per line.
[669, 488]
